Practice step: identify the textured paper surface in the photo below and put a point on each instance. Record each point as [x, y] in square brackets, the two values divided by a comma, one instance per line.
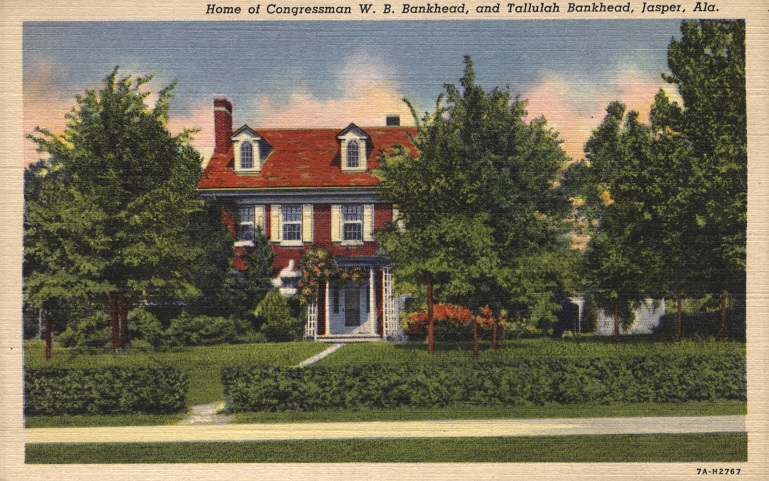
[12, 15]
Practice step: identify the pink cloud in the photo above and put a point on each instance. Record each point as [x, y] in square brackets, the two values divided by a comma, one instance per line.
[370, 95]
[574, 107]
[200, 116]
[45, 105]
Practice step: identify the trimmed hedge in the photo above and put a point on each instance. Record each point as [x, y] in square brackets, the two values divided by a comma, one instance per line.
[530, 381]
[105, 391]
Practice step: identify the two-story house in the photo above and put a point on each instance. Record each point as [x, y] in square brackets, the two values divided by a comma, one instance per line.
[306, 188]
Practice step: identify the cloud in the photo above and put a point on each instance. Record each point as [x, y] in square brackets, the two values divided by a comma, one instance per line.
[576, 106]
[368, 95]
[45, 103]
[199, 115]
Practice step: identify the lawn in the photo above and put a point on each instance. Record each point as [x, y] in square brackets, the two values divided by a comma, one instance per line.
[726, 447]
[202, 364]
[714, 408]
[511, 349]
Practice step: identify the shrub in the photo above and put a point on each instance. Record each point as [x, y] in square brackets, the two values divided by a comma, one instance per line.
[91, 331]
[200, 330]
[105, 391]
[277, 322]
[143, 325]
[528, 381]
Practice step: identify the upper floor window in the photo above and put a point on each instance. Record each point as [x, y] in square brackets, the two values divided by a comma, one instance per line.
[246, 228]
[352, 223]
[246, 155]
[353, 154]
[292, 223]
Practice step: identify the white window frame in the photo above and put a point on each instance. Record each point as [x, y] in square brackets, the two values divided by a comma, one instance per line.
[357, 211]
[255, 222]
[246, 135]
[293, 210]
[361, 138]
[242, 146]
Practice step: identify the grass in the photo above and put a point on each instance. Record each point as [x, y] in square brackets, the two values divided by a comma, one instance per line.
[85, 421]
[510, 349]
[722, 408]
[727, 447]
[203, 364]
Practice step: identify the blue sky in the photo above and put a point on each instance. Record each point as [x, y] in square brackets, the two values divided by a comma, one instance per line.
[328, 74]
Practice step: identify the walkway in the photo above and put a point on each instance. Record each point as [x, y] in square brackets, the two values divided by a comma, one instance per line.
[389, 430]
[203, 414]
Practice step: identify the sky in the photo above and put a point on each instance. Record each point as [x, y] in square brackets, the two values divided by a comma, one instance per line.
[297, 74]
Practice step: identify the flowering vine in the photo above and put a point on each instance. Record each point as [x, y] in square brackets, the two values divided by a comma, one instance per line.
[318, 266]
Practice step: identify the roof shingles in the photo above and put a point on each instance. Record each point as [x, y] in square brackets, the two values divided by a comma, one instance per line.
[303, 158]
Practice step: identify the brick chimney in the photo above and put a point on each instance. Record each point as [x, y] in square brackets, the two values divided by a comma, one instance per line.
[222, 124]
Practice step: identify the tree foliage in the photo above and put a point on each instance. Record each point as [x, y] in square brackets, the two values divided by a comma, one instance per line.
[666, 202]
[477, 199]
[112, 207]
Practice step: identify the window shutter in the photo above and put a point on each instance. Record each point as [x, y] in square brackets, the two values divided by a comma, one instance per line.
[259, 217]
[368, 222]
[275, 223]
[336, 223]
[307, 222]
[362, 154]
[398, 220]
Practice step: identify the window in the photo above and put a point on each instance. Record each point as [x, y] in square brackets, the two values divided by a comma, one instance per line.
[353, 154]
[292, 223]
[246, 155]
[352, 223]
[246, 227]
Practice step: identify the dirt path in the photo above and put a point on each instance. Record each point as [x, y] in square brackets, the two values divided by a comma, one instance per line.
[390, 430]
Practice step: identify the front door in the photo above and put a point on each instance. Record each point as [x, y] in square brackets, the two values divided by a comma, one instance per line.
[352, 306]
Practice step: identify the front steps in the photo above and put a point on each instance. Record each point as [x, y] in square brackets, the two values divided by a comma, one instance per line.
[343, 338]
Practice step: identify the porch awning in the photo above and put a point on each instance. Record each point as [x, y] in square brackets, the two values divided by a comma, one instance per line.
[363, 261]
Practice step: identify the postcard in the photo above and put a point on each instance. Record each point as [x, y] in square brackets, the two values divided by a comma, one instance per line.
[424, 240]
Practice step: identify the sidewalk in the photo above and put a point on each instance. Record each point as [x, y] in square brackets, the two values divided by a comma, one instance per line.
[389, 430]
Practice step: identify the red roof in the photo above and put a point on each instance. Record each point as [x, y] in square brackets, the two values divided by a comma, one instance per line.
[303, 158]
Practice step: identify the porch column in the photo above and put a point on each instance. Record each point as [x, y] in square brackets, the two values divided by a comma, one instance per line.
[326, 309]
[371, 301]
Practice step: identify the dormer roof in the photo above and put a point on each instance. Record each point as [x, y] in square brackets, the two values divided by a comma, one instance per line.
[354, 131]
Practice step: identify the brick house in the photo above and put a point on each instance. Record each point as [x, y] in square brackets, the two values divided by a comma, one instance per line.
[308, 188]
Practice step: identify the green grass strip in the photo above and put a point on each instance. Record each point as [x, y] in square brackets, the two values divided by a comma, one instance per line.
[573, 449]
[86, 421]
[709, 408]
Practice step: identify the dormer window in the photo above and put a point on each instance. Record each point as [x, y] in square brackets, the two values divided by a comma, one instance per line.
[246, 155]
[249, 150]
[353, 143]
[353, 154]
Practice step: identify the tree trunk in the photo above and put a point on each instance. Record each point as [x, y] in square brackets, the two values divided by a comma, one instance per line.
[430, 317]
[124, 305]
[722, 327]
[113, 320]
[476, 349]
[679, 322]
[616, 326]
[48, 339]
[494, 343]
